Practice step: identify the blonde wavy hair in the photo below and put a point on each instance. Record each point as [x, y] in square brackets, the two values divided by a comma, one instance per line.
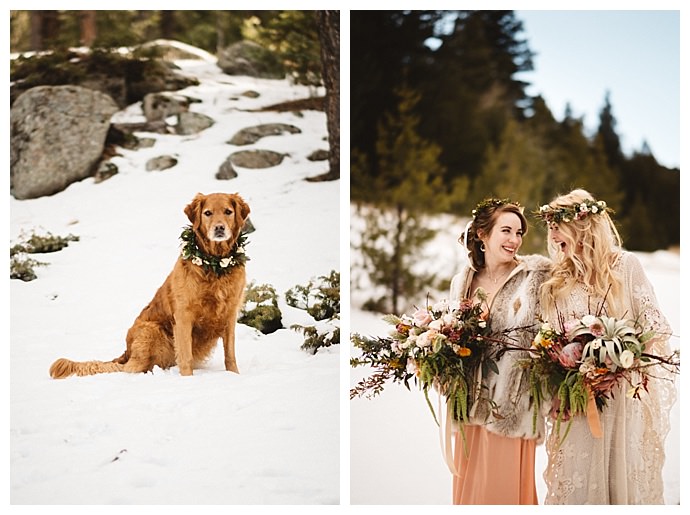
[599, 245]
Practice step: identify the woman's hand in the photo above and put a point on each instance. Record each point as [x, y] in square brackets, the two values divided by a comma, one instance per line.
[554, 412]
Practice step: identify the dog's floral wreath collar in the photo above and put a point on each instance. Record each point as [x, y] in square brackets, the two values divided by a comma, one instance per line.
[220, 265]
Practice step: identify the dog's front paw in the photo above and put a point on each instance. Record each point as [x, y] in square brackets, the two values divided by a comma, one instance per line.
[232, 367]
[186, 371]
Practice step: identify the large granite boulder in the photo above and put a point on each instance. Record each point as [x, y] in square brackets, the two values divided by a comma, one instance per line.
[251, 59]
[57, 134]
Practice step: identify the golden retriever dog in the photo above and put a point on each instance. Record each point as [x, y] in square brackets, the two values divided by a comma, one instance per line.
[198, 302]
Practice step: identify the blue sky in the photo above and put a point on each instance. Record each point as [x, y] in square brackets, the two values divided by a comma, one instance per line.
[634, 55]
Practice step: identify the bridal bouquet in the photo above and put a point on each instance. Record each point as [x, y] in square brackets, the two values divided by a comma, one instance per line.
[440, 346]
[579, 365]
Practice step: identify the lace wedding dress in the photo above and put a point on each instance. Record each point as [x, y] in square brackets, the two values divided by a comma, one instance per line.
[624, 466]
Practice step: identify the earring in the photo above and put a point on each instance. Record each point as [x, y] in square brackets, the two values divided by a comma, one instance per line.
[482, 247]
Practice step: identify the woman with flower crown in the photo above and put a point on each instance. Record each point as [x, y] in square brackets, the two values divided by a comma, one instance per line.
[494, 462]
[618, 459]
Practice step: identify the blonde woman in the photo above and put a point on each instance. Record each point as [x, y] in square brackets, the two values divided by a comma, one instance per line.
[498, 467]
[623, 465]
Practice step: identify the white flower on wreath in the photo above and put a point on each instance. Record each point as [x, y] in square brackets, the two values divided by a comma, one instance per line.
[596, 343]
[411, 366]
[197, 261]
[482, 324]
[225, 262]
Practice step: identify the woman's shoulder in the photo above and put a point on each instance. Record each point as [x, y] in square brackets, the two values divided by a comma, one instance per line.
[628, 261]
[458, 280]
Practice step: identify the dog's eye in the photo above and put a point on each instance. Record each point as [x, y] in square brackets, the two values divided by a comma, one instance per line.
[208, 212]
[228, 211]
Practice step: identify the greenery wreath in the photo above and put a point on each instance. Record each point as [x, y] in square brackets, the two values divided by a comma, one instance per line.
[218, 264]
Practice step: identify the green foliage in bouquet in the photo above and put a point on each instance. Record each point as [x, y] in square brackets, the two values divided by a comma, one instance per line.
[585, 359]
[441, 347]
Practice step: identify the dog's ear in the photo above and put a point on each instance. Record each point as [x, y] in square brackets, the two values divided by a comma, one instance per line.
[192, 209]
[241, 207]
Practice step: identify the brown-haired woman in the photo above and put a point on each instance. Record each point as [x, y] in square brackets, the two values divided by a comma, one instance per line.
[497, 466]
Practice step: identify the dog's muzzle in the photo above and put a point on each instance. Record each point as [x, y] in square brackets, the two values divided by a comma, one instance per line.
[219, 233]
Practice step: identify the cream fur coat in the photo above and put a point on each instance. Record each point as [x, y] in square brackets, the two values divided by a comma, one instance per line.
[515, 304]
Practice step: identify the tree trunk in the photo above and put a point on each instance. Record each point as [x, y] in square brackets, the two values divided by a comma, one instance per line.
[88, 28]
[396, 278]
[50, 28]
[35, 42]
[328, 23]
[167, 24]
[45, 26]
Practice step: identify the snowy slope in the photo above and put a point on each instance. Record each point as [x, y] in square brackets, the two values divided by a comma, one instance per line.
[269, 435]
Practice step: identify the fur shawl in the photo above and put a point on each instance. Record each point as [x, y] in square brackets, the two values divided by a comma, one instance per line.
[515, 304]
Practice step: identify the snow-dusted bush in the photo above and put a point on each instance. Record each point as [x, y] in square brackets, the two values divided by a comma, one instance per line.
[261, 308]
[22, 266]
[320, 297]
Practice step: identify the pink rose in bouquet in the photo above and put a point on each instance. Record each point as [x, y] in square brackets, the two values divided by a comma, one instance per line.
[422, 317]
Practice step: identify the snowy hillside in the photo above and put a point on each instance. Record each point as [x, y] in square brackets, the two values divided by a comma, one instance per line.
[269, 435]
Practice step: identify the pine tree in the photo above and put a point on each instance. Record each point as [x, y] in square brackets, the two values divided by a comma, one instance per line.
[408, 185]
[388, 48]
[607, 134]
[516, 169]
[473, 89]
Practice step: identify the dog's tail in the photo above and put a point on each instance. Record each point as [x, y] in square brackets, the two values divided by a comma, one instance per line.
[64, 368]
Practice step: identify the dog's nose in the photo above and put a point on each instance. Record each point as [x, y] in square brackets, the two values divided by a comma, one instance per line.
[219, 229]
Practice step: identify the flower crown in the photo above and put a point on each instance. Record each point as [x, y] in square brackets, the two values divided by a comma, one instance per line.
[492, 202]
[578, 211]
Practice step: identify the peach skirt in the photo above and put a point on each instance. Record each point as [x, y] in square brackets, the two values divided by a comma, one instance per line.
[495, 470]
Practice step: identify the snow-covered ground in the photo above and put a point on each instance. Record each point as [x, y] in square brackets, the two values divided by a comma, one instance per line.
[395, 451]
[269, 435]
